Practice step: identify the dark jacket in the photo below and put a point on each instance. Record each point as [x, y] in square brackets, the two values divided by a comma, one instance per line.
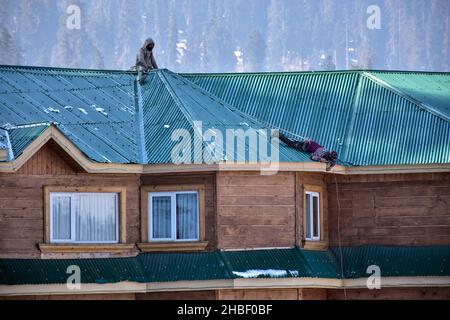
[144, 58]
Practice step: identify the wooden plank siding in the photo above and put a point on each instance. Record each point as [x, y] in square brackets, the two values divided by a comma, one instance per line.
[22, 199]
[407, 209]
[429, 293]
[255, 210]
[412, 293]
[243, 209]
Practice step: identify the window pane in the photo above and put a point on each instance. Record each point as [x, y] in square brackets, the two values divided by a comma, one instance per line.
[61, 218]
[308, 216]
[187, 216]
[95, 216]
[161, 217]
[315, 216]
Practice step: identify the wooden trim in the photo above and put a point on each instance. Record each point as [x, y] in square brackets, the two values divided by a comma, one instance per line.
[85, 248]
[52, 132]
[3, 154]
[315, 245]
[122, 191]
[394, 169]
[172, 246]
[200, 188]
[312, 243]
[255, 283]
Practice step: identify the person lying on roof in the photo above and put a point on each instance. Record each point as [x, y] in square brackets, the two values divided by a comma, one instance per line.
[318, 152]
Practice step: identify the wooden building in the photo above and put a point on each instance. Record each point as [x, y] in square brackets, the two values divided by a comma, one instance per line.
[89, 186]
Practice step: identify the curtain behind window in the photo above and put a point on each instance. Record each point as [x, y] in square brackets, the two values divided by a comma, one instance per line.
[187, 216]
[61, 218]
[95, 217]
[161, 217]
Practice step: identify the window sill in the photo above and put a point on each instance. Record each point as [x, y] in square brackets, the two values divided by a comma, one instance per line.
[315, 245]
[86, 248]
[172, 246]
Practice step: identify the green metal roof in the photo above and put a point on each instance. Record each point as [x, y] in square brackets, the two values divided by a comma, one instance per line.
[396, 261]
[112, 119]
[281, 263]
[270, 263]
[94, 109]
[21, 137]
[370, 118]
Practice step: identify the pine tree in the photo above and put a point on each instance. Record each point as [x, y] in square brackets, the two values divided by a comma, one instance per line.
[275, 35]
[254, 52]
[9, 53]
[62, 53]
[99, 60]
[172, 38]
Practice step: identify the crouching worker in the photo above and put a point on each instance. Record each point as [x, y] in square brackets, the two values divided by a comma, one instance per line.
[145, 60]
[318, 152]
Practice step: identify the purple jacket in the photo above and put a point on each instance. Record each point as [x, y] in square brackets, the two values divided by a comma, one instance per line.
[312, 146]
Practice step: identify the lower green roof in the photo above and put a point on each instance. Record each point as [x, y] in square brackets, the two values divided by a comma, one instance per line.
[279, 263]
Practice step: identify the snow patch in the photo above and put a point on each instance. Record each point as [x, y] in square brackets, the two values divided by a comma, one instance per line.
[50, 109]
[272, 273]
[101, 110]
[82, 110]
[68, 107]
[167, 126]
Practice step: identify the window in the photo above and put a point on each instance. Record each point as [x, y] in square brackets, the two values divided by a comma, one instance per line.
[312, 214]
[77, 217]
[173, 216]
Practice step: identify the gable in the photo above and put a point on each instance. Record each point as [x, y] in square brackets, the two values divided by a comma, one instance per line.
[50, 159]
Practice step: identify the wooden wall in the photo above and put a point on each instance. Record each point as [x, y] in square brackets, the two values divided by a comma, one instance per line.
[22, 198]
[244, 209]
[405, 209]
[254, 210]
[178, 295]
[414, 293]
[436, 293]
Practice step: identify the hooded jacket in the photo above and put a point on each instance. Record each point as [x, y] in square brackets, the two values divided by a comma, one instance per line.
[145, 58]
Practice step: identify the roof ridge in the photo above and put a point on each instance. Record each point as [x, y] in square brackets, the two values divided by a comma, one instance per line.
[16, 67]
[308, 72]
[402, 93]
[139, 116]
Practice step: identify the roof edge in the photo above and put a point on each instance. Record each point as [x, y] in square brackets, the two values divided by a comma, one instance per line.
[239, 283]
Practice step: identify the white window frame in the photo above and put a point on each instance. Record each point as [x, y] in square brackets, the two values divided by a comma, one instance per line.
[73, 195]
[313, 194]
[173, 215]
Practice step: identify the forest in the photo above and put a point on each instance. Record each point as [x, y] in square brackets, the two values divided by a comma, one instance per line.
[229, 35]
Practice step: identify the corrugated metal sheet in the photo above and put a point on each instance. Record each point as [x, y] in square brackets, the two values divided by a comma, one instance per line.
[111, 119]
[365, 120]
[266, 262]
[40, 271]
[94, 109]
[160, 267]
[395, 261]
[429, 88]
[21, 137]
[370, 118]
[171, 103]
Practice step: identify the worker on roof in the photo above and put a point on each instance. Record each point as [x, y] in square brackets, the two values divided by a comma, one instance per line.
[318, 152]
[145, 60]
